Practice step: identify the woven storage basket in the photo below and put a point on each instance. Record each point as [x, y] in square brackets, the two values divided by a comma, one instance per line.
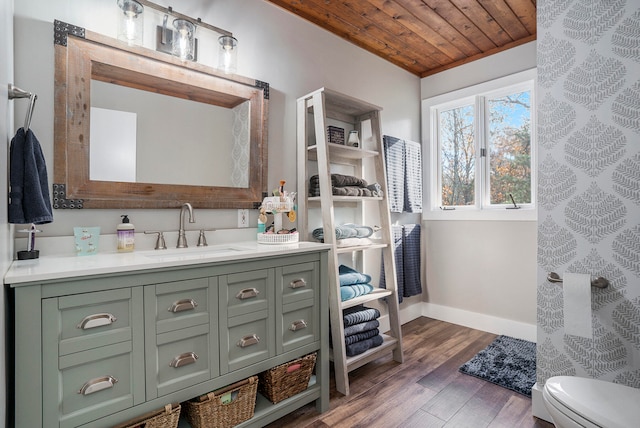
[165, 418]
[211, 410]
[335, 135]
[288, 379]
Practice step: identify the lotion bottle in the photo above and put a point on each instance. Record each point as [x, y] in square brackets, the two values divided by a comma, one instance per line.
[126, 235]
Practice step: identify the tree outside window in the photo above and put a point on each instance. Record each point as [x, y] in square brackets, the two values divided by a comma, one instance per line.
[484, 149]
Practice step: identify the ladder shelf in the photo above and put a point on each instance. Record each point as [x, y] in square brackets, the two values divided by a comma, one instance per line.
[316, 155]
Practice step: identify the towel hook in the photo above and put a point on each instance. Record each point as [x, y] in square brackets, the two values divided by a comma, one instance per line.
[15, 92]
[598, 282]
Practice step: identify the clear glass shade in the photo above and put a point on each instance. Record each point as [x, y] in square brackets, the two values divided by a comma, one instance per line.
[183, 44]
[228, 54]
[131, 22]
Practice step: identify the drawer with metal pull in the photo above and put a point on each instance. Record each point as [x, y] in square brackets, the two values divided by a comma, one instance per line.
[298, 282]
[247, 292]
[90, 320]
[95, 383]
[249, 339]
[179, 304]
[184, 358]
[299, 326]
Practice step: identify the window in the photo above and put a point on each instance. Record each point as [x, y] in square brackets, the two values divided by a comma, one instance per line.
[482, 146]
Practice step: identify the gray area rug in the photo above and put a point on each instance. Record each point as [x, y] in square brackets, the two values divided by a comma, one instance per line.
[507, 362]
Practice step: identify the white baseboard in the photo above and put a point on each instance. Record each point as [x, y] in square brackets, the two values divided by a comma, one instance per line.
[538, 408]
[480, 321]
[408, 312]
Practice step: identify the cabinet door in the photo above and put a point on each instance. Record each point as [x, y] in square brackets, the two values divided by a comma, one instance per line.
[181, 334]
[299, 289]
[247, 318]
[99, 377]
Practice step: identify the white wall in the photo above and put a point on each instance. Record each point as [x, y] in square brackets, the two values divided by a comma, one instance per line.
[482, 273]
[293, 56]
[6, 131]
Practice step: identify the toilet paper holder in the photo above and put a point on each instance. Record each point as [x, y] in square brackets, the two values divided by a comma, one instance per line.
[598, 282]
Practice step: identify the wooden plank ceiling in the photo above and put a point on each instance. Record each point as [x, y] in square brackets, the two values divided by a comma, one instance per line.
[424, 37]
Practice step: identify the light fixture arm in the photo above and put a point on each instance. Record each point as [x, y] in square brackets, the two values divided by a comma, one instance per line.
[169, 11]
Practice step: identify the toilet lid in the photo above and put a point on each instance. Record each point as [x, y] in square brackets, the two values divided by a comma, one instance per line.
[605, 404]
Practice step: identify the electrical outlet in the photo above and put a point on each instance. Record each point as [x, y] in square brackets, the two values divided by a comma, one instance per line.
[243, 218]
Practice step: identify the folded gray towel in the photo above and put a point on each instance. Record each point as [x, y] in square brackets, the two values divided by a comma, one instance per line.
[358, 348]
[360, 328]
[341, 180]
[359, 337]
[360, 315]
[345, 231]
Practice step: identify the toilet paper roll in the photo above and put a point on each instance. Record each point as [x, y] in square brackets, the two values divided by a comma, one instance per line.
[576, 290]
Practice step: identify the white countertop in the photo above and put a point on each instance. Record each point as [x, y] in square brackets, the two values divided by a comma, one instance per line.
[69, 266]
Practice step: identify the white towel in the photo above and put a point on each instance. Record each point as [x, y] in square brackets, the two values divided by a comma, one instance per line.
[576, 291]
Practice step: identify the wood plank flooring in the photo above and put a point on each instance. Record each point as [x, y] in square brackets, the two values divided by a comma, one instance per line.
[426, 391]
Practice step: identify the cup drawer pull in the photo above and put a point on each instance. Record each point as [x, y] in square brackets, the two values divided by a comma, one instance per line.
[97, 384]
[248, 341]
[298, 283]
[247, 293]
[96, 320]
[298, 325]
[183, 359]
[183, 305]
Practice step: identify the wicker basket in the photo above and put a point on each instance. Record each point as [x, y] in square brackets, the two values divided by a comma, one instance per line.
[275, 238]
[165, 418]
[224, 408]
[288, 379]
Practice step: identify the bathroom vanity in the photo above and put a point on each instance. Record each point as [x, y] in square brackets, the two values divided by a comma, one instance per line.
[102, 339]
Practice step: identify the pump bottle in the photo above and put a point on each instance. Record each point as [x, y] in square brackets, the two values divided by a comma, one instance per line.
[126, 235]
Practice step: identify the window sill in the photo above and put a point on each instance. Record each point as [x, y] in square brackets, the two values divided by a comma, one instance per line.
[522, 214]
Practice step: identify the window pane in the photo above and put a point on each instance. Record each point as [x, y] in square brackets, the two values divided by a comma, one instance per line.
[510, 148]
[457, 153]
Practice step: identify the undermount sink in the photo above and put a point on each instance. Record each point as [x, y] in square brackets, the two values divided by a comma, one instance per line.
[194, 253]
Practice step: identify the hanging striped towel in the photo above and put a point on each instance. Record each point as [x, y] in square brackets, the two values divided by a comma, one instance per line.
[412, 177]
[396, 235]
[406, 249]
[394, 161]
[404, 174]
[412, 260]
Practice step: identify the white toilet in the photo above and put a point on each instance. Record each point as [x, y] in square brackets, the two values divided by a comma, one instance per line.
[575, 402]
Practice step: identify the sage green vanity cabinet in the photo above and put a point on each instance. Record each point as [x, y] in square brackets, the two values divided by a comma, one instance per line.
[113, 346]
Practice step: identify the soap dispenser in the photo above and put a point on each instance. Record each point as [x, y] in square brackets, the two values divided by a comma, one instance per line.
[126, 235]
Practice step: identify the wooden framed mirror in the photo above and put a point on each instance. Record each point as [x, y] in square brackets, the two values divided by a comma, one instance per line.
[136, 128]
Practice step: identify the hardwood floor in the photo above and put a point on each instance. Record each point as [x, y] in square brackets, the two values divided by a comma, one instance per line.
[426, 391]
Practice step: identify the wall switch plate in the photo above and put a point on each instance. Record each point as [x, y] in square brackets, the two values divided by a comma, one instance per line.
[243, 218]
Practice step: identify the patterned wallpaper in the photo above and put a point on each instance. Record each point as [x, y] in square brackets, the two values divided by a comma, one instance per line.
[241, 144]
[589, 183]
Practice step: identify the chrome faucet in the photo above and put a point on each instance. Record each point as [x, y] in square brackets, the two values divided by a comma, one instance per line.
[182, 239]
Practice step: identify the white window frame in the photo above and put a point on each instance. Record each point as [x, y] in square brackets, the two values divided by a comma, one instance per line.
[476, 95]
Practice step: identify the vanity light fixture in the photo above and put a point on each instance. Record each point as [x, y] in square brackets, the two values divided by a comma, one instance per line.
[228, 54]
[183, 42]
[180, 40]
[131, 22]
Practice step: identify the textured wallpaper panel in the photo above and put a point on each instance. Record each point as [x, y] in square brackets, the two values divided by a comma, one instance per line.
[589, 183]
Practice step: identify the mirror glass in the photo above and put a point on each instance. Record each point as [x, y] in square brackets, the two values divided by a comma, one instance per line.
[205, 144]
[142, 129]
